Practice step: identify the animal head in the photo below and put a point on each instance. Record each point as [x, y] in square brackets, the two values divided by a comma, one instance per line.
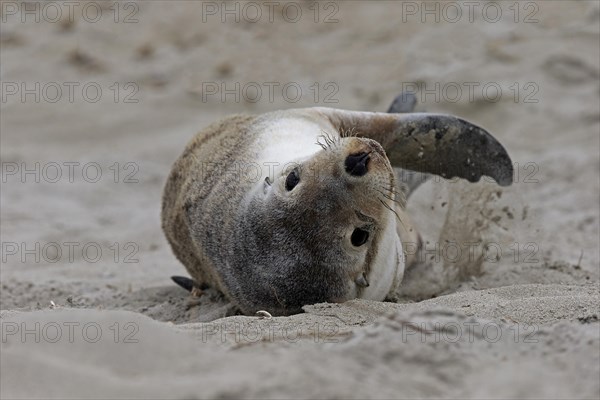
[317, 223]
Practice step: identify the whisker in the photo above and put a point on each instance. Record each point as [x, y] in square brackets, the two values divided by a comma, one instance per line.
[331, 141]
[394, 211]
[392, 190]
[399, 194]
[391, 198]
[350, 132]
[323, 145]
[326, 145]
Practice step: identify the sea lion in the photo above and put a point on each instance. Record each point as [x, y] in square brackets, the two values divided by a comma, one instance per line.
[302, 206]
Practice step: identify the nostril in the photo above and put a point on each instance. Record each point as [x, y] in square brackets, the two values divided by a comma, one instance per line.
[356, 164]
[359, 237]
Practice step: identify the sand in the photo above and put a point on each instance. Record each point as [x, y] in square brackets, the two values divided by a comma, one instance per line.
[516, 318]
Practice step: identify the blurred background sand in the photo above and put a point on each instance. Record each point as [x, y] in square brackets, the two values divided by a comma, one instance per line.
[160, 67]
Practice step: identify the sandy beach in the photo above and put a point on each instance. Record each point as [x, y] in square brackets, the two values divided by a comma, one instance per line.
[100, 98]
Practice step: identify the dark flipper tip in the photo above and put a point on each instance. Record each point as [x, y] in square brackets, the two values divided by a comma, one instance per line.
[405, 102]
[186, 283]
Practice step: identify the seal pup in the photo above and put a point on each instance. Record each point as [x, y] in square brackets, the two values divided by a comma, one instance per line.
[302, 206]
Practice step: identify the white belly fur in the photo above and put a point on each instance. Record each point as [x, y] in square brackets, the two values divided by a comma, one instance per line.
[286, 141]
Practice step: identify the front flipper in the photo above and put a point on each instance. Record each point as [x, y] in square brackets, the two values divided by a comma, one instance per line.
[433, 143]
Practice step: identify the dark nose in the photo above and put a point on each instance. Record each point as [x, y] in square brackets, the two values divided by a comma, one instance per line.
[356, 164]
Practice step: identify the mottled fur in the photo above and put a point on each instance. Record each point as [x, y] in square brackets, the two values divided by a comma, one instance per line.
[197, 174]
[266, 248]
